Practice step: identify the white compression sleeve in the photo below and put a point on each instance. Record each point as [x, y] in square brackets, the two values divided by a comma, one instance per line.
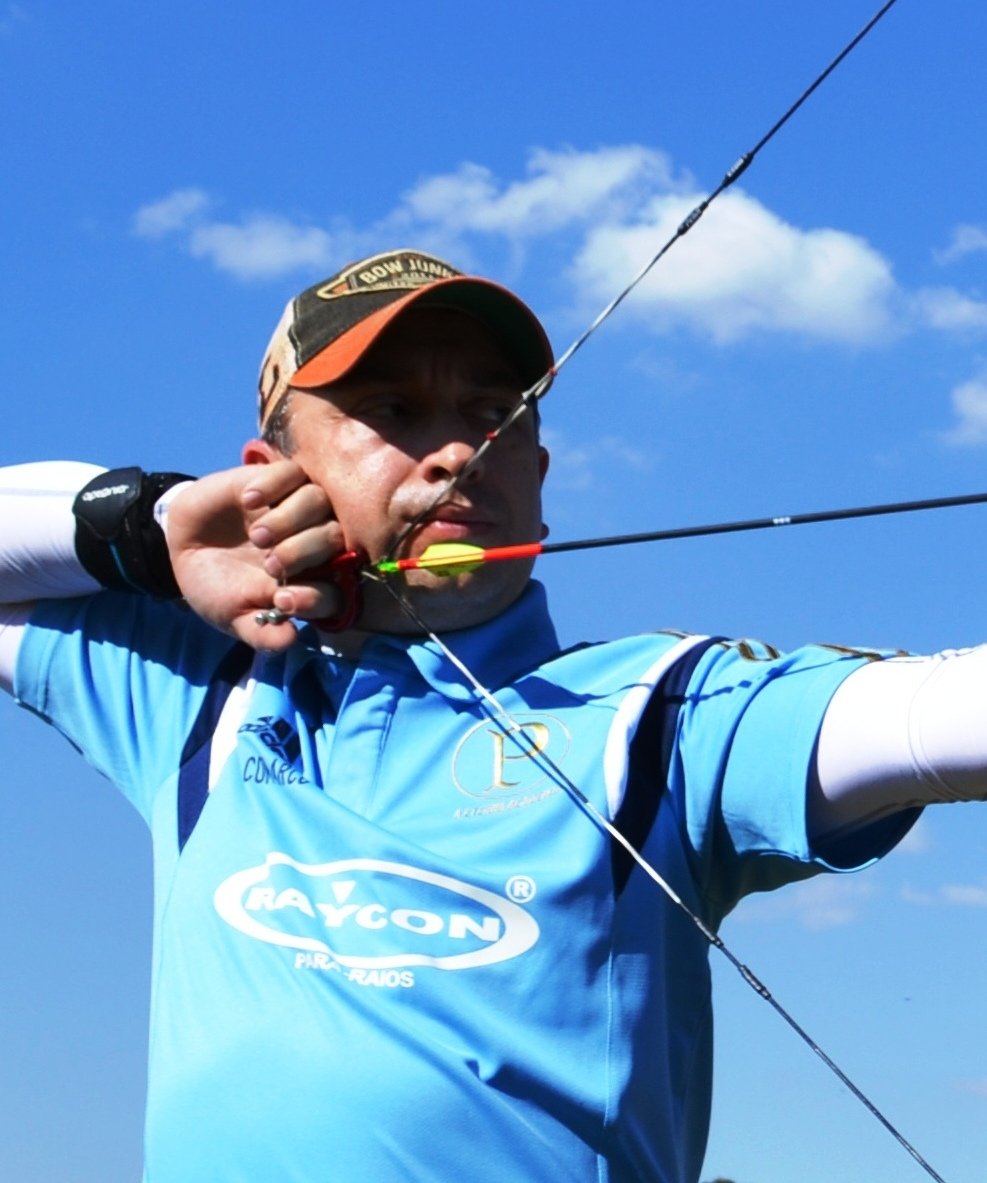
[901, 733]
[37, 536]
[37, 546]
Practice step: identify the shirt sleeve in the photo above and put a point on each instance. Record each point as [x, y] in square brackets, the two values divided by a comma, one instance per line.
[748, 730]
[122, 678]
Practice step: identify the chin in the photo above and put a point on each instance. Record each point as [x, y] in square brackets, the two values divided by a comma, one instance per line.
[443, 604]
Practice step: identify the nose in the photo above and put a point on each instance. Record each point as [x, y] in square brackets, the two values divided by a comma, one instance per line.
[449, 460]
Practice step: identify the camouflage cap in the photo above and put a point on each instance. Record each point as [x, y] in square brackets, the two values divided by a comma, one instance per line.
[326, 329]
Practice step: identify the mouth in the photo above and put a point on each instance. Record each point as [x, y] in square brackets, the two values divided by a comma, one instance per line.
[452, 522]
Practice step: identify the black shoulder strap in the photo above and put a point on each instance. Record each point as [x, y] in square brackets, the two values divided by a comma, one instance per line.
[649, 757]
[193, 773]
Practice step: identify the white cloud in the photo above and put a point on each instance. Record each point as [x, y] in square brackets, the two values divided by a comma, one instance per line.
[745, 271]
[665, 372]
[966, 240]
[965, 894]
[969, 401]
[571, 464]
[950, 310]
[261, 246]
[258, 246]
[576, 467]
[828, 901]
[170, 214]
[561, 188]
[612, 447]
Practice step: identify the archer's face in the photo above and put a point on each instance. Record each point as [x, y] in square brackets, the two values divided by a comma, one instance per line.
[385, 439]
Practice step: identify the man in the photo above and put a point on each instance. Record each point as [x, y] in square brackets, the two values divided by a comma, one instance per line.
[394, 938]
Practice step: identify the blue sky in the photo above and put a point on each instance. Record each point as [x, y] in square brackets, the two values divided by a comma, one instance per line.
[174, 172]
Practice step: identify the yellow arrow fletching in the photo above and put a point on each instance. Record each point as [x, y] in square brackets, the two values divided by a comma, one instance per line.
[453, 558]
[450, 558]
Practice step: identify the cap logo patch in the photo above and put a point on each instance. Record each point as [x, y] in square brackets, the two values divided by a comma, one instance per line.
[400, 271]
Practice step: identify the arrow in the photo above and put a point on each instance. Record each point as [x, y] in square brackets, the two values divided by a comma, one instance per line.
[452, 558]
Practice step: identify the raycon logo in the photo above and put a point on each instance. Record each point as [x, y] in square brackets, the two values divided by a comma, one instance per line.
[372, 914]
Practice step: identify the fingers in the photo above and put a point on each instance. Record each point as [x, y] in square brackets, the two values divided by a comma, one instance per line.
[269, 484]
[304, 552]
[303, 505]
[295, 522]
[309, 601]
[254, 538]
[298, 602]
[291, 521]
[271, 638]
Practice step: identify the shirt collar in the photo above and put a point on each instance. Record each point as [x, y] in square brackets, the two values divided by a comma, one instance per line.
[519, 639]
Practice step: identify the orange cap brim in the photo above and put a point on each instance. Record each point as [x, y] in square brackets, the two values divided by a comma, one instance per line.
[473, 296]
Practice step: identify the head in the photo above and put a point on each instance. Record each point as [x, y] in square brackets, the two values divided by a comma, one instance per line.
[382, 383]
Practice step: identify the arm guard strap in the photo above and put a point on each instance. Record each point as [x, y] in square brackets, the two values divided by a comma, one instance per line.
[117, 538]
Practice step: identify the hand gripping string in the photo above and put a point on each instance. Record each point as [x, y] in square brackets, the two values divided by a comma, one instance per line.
[512, 730]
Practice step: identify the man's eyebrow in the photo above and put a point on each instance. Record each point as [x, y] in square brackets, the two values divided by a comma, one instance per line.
[497, 376]
[488, 374]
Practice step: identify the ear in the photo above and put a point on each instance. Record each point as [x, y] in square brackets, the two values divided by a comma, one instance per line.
[543, 459]
[258, 451]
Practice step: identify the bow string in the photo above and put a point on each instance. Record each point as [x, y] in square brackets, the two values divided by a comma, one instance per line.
[457, 558]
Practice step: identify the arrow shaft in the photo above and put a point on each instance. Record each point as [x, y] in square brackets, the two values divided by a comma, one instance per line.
[737, 527]
[530, 550]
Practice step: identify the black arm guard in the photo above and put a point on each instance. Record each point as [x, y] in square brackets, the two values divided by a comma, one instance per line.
[117, 539]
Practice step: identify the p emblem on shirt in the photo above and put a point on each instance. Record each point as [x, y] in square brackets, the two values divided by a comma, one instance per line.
[495, 762]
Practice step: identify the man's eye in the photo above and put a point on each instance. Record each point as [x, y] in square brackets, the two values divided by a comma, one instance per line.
[495, 412]
[384, 406]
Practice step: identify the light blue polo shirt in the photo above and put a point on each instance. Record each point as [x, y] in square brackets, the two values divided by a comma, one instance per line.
[390, 943]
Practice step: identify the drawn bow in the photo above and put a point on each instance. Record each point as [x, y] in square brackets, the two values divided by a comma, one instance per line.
[444, 559]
